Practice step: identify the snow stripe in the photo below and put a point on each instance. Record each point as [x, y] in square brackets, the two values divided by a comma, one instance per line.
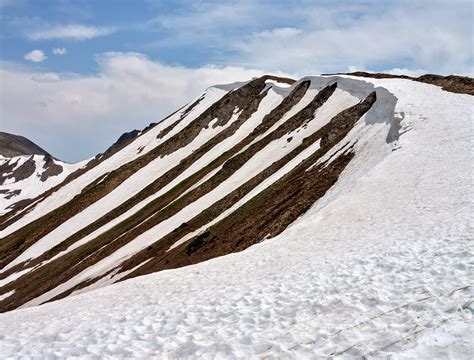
[272, 152]
[267, 104]
[147, 142]
[125, 190]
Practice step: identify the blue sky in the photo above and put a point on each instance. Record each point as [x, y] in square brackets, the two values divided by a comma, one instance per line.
[76, 74]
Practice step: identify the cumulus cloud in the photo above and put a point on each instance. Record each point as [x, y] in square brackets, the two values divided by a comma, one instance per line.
[128, 92]
[35, 56]
[394, 71]
[59, 51]
[75, 31]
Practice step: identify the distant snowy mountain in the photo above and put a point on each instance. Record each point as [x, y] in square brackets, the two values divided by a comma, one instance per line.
[27, 170]
[31, 173]
[23, 178]
[355, 192]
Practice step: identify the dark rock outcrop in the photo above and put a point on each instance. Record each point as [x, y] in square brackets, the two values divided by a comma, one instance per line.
[51, 168]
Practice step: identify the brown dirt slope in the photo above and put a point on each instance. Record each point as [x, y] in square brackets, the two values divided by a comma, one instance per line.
[291, 197]
[13, 244]
[171, 195]
[60, 270]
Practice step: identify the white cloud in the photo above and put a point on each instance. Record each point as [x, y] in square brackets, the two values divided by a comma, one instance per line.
[76, 116]
[45, 77]
[394, 71]
[311, 37]
[280, 33]
[35, 56]
[375, 41]
[353, 68]
[76, 32]
[204, 16]
[59, 51]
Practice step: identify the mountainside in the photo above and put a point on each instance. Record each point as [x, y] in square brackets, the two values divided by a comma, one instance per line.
[361, 183]
[26, 171]
[26, 178]
[14, 145]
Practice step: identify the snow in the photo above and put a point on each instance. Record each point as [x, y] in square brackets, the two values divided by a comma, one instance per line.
[8, 294]
[142, 178]
[146, 142]
[272, 152]
[381, 266]
[254, 192]
[316, 302]
[14, 276]
[448, 341]
[277, 83]
[114, 276]
[32, 186]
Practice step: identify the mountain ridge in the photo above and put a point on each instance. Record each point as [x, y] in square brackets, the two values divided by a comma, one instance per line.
[452, 83]
[230, 169]
[15, 145]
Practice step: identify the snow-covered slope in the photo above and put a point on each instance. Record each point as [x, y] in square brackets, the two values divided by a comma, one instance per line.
[141, 145]
[27, 171]
[27, 176]
[361, 189]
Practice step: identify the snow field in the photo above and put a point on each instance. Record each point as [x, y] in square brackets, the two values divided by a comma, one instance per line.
[320, 301]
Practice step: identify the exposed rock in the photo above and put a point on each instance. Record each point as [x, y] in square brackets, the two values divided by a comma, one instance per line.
[10, 193]
[6, 168]
[22, 172]
[51, 168]
[121, 142]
